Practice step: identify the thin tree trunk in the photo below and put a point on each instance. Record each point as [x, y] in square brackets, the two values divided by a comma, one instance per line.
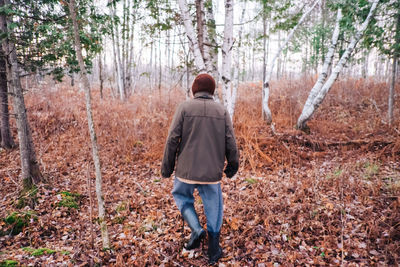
[319, 97]
[279, 63]
[200, 29]
[391, 91]
[237, 62]
[101, 76]
[115, 45]
[365, 64]
[93, 138]
[159, 61]
[264, 43]
[7, 141]
[227, 58]
[266, 112]
[194, 45]
[29, 166]
[211, 44]
[301, 123]
[396, 55]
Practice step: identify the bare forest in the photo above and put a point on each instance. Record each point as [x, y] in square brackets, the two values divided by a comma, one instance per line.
[88, 91]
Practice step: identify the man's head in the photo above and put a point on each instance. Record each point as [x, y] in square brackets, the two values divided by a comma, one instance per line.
[203, 83]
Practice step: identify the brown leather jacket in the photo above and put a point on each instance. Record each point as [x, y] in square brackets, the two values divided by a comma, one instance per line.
[201, 136]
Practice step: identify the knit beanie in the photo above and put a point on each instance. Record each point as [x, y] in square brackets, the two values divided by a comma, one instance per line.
[203, 83]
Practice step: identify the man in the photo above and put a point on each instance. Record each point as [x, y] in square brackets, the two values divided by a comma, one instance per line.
[200, 137]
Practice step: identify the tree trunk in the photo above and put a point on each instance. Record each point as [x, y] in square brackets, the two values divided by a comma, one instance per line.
[266, 112]
[364, 71]
[193, 43]
[29, 166]
[93, 138]
[101, 76]
[226, 57]
[200, 29]
[7, 141]
[211, 40]
[237, 62]
[320, 95]
[301, 122]
[391, 91]
[396, 56]
[116, 53]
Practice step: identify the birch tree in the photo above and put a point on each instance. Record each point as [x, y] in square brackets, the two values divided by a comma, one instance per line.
[324, 73]
[116, 52]
[227, 57]
[320, 95]
[30, 172]
[93, 137]
[237, 62]
[191, 35]
[266, 112]
[211, 41]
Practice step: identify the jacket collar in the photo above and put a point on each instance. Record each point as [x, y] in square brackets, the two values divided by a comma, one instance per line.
[204, 95]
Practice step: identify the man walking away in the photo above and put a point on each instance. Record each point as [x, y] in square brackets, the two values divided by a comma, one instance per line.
[200, 138]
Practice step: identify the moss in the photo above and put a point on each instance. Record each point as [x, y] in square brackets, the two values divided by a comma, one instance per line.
[119, 219]
[8, 263]
[39, 251]
[28, 197]
[251, 180]
[17, 221]
[69, 200]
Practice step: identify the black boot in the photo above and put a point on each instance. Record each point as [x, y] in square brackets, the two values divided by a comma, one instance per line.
[198, 233]
[214, 250]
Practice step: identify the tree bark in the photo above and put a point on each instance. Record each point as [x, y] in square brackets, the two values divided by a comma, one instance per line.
[194, 45]
[101, 76]
[237, 62]
[93, 137]
[301, 122]
[266, 112]
[116, 53]
[227, 57]
[30, 172]
[391, 91]
[7, 141]
[396, 55]
[211, 44]
[320, 95]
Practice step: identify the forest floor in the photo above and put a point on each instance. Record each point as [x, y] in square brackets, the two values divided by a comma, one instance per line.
[330, 197]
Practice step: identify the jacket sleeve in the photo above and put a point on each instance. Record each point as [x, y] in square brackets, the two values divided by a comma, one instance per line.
[231, 151]
[172, 143]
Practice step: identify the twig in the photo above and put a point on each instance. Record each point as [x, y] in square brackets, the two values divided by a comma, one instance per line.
[9, 176]
[341, 219]
[89, 185]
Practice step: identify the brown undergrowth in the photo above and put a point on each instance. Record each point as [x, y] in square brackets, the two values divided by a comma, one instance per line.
[325, 198]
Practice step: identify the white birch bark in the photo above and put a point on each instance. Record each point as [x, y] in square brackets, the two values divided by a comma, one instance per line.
[237, 62]
[227, 57]
[320, 96]
[266, 112]
[93, 137]
[204, 36]
[324, 73]
[194, 45]
[212, 44]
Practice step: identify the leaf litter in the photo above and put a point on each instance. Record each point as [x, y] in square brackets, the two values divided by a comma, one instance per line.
[327, 198]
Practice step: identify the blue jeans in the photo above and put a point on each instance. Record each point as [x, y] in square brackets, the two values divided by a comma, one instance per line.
[211, 196]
